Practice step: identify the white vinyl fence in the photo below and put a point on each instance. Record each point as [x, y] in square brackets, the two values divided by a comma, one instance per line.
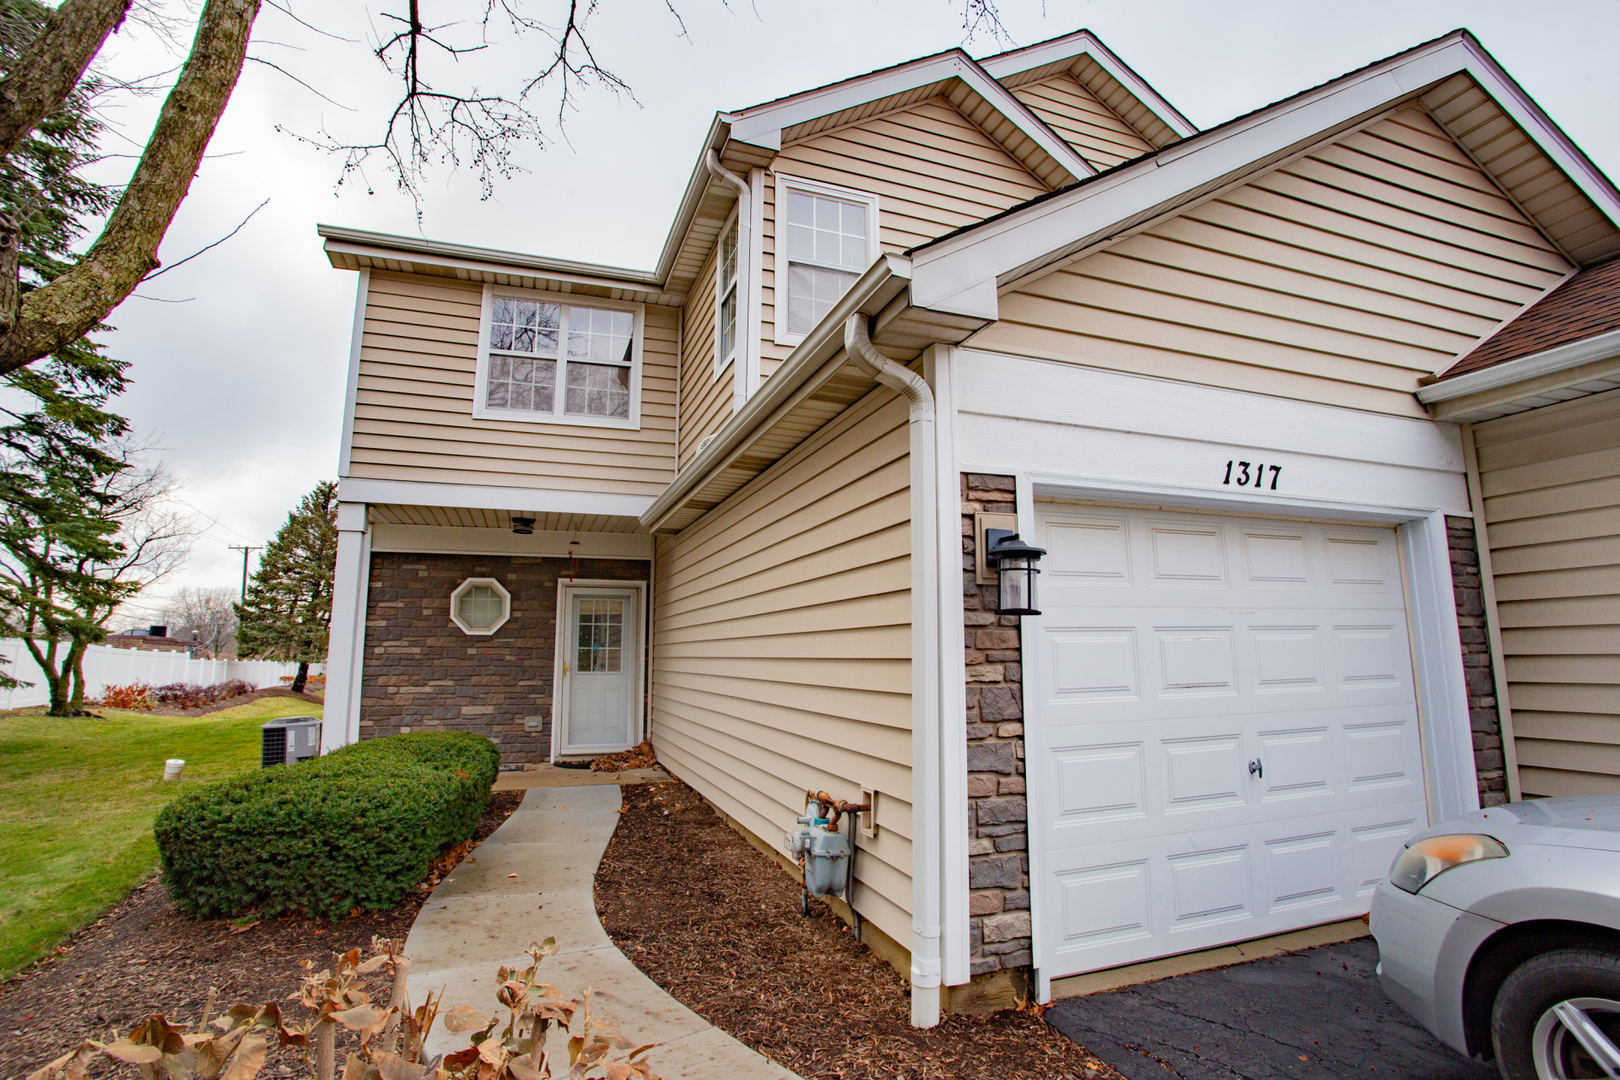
[107, 666]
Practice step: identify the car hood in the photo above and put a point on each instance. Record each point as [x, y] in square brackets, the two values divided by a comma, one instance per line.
[1579, 821]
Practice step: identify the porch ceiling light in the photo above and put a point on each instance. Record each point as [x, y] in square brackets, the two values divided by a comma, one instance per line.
[1017, 564]
[523, 526]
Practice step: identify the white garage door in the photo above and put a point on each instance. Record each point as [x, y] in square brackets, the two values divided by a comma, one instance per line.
[1226, 729]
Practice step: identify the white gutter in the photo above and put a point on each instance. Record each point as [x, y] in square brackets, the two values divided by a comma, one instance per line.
[748, 334]
[806, 359]
[1546, 362]
[926, 767]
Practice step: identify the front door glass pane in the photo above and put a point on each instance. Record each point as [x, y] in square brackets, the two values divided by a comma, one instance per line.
[599, 645]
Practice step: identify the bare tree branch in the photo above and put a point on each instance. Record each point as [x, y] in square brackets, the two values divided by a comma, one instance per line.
[205, 247]
[126, 250]
[48, 70]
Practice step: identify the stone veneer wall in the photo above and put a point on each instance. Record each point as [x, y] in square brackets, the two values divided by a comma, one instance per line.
[1486, 722]
[998, 826]
[423, 673]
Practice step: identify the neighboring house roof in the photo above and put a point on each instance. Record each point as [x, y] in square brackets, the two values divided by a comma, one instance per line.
[1564, 346]
[1583, 305]
[148, 643]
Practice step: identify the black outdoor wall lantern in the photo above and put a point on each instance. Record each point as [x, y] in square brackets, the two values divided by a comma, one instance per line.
[1017, 565]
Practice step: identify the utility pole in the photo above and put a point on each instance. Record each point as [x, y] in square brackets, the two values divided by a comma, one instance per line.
[246, 550]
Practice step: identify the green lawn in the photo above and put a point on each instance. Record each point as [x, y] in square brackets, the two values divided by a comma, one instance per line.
[77, 799]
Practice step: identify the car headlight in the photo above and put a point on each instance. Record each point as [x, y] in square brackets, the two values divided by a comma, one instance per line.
[1428, 859]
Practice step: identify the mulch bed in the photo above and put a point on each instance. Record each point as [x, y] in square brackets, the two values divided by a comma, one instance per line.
[144, 957]
[718, 925]
[233, 702]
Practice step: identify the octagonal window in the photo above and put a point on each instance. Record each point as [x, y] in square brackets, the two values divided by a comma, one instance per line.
[480, 606]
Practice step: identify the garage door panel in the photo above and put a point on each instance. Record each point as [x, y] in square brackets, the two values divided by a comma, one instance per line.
[1228, 729]
[1122, 902]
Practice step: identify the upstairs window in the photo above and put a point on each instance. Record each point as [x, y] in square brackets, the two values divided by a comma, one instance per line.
[831, 238]
[725, 313]
[559, 362]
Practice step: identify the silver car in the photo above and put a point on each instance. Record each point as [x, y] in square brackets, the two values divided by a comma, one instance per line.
[1500, 931]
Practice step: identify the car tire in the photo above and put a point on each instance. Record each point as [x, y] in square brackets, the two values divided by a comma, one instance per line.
[1530, 1041]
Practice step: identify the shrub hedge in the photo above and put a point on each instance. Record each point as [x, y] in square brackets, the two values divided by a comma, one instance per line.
[356, 828]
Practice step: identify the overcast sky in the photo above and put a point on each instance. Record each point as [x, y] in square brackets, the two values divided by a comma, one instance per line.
[243, 381]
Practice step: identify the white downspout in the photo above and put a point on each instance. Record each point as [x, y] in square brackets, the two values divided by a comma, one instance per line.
[747, 336]
[925, 719]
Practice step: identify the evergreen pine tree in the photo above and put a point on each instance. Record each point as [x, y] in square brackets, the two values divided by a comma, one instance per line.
[289, 601]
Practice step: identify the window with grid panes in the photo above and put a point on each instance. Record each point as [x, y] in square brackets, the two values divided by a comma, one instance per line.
[536, 346]
[725, 316]
[826, 253]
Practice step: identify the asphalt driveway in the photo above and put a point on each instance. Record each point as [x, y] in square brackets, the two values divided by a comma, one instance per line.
[1317, 1013]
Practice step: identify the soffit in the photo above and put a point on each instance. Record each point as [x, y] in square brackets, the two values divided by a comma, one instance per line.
[467, 518]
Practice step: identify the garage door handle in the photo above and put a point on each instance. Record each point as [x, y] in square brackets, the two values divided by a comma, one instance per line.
[1256, 769]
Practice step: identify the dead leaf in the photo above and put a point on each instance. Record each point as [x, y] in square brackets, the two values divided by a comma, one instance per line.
[464, 1018]
[131, 1053]
[248, 1059]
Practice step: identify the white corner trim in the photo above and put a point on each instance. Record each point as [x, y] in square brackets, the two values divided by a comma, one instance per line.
[362, 295]
[479, 497]
[753, 339]
[351, 517]
[1547, 362]
[475, 583]
[786, 184]
[458, 540]
[1072, 47]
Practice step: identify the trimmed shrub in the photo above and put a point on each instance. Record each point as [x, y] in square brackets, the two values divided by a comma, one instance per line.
[356, 828]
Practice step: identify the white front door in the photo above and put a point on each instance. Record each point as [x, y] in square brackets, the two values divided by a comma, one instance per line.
[599, 692]
[1226, 730]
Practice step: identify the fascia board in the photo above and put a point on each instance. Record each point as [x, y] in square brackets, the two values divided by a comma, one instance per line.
[1506, 374]
[350, 241]
[362, 489]
[692, 198]
[883, 280]
[763, 126]
[1024, 238]
[1084, 43]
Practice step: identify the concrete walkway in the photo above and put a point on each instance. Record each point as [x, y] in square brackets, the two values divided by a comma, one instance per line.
[533, 879]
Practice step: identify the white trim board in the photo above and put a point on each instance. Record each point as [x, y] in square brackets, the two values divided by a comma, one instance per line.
[362, 296]
[457, 540]
[482, 497]
[1146, 434]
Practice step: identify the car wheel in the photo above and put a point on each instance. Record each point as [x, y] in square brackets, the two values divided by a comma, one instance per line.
[1557, 1017]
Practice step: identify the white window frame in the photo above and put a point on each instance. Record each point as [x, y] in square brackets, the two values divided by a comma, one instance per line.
[785, 184]
[482, 411]
[477, 582]
[739, 282]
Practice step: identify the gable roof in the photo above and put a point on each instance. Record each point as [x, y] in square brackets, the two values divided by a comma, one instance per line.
[1096, 67]
[1461, 86]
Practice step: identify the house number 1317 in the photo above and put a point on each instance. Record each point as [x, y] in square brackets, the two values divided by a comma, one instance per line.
[1246, 474]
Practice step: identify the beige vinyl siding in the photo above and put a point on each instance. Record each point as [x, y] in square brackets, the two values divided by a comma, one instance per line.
[932, 170]
[1339, 278]
[1551, 481]
[413, 404]
[705, 400]
[1085, 123]
[781, 654]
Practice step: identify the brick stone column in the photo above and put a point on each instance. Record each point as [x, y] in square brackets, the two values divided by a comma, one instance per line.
[998, 818]
[1483, 716]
